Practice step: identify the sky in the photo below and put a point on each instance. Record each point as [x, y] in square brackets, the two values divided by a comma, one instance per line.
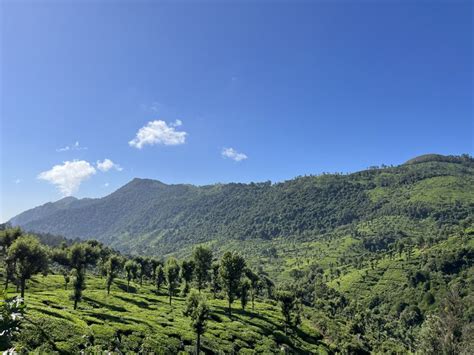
[95, 93]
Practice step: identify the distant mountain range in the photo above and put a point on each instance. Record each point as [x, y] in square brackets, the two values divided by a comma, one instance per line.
[150, 217]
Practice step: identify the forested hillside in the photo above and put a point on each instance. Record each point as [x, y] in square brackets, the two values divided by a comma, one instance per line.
[147, 216]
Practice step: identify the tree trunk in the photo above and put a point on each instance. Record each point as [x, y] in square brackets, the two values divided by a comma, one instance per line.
[128, 285]
[198, 344]
[23, 281]
[75, 303]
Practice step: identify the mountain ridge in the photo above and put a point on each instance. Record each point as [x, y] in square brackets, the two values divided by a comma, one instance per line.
[149, 216]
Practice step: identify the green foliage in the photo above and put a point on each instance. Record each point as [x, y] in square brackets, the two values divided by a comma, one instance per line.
[172, 276]
[11, 316]
[244, 294]
[289, 308]
[28, 257]
[131, 268]
[231, 270]
[113, 266]
[187, 272]
[159, 277]
[203, 261]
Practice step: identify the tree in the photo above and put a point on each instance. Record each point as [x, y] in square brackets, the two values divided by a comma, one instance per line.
[244, 294]
[113, 266]
[203, 260]
[290, 308]
[131, 270]
[449, 332]
[153, 263]
[159, 277]
[29, 257]
[93, 253]
[197, 309]
[7, 237]
[141, 267]
[231, 269]
[77, 259]
[254, 284]
[172, 276]
[187, 271]
[215, 279]
[60, 256]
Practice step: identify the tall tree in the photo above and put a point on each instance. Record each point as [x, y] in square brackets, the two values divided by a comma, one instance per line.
[244, 294]
[113, 266]
[231, 269]
[215, 279]
[77, 257]
[187, 271]
[172, 276]
[93, 250]
[30, 258]
[254, 284]
[159, 277]
[203, 260]
[60, 257]
[290, 309]
[153, 263]
[142, 264]
[130, 270]
[197, 309]
[7, 237]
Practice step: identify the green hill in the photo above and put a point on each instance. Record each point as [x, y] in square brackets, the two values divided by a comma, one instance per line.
[150, 217]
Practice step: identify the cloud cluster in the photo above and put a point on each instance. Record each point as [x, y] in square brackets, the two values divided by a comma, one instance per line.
[68, 176]
[159, 132]
[75, 146]
[231, 153]
[107, 164]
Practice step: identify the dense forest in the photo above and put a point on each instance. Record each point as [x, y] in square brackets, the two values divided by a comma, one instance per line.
[379, 261]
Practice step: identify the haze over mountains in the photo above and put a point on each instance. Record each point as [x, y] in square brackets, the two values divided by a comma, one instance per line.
[148, 216]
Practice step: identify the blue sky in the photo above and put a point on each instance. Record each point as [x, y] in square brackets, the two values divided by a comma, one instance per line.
[282, 88]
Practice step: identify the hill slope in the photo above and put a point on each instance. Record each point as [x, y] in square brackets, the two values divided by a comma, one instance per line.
[147, 216]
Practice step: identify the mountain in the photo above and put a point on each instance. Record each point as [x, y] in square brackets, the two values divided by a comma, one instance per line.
[150, 217]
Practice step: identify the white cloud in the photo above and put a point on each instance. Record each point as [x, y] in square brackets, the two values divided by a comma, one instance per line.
[17, 181]
[159, 132]
[68, 176]
[75, 146]
[176, 123]
[231, 153]
[107, 164]
[106, 184]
